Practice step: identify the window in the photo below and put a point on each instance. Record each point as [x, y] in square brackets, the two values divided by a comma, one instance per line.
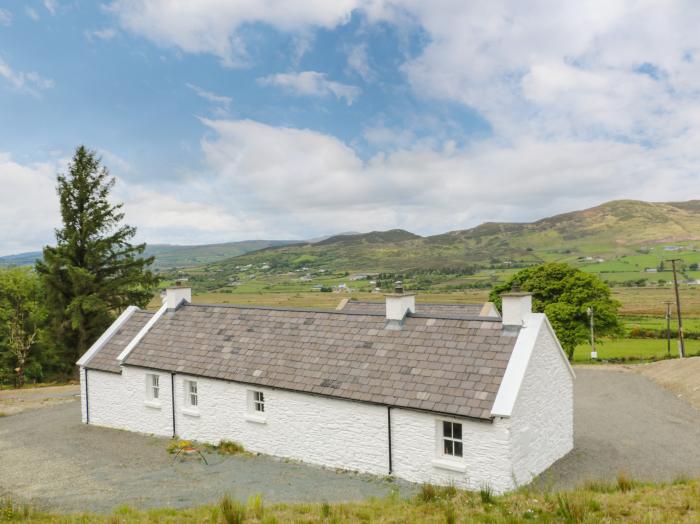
[451, 439]
[258, 401]
[153, 386]
[191, 393]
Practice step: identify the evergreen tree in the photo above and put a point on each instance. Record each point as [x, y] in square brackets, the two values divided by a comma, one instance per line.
[93, 272]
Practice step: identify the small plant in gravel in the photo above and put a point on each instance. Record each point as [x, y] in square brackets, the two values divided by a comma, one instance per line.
[10, 510]
[427, 493]
[325, 510]
[228, 447]
[176, 445]
[232, 511]
[573, 508]
[450, 514]
[2, 414]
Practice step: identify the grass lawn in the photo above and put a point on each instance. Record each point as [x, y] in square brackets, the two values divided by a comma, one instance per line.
[634, 349]
[595, 502]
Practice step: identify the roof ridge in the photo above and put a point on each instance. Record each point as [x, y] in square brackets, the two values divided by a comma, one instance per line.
[341, 312]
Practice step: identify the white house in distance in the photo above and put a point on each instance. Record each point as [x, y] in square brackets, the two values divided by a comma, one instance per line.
[436, 393]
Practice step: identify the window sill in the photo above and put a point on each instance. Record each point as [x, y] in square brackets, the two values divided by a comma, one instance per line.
[450, 464]
[258, 419]
[152, 404]
[190, 412]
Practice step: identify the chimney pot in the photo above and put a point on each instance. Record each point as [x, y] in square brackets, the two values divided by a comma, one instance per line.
[515, 306]
[398, 287]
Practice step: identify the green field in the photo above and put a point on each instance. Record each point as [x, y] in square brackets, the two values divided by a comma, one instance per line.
[634, 349]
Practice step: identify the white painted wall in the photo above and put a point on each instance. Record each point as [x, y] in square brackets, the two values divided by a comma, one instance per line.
[313, 429]
[542, 423]
[417, 451]
[119, 401]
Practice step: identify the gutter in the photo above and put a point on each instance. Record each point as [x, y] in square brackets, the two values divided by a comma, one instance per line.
[388, 422]
[172, 393]
[87, 399]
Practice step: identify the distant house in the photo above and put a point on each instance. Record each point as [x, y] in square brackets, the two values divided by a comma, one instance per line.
[452, 395]
[672, 248]
[358, 277]
[651, 270]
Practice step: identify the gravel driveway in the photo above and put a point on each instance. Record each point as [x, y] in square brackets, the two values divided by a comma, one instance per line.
[623, 422]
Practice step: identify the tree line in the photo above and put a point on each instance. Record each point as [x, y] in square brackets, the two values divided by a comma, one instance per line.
[52, 313]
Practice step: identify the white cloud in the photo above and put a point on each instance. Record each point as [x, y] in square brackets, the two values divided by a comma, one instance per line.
[312, 83]
[212, 26]
[28, 205]
[107, 33]
[28, 82]
[51, 6]
[358, 61]
[5, 17]
[31, 13]
[223, 101]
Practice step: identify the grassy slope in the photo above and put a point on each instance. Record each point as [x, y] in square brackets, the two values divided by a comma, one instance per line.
[624, 500]
[628, 235]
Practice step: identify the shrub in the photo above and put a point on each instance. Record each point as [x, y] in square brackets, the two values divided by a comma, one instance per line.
[232, 511]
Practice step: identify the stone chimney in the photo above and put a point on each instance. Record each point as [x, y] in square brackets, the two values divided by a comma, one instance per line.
[175, 295]
[515, 306]
[398, 303]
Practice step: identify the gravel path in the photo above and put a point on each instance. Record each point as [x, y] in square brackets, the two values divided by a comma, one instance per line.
[14, 401]
[623, 423]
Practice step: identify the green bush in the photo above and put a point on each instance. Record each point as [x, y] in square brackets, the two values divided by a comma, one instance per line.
[232, 511]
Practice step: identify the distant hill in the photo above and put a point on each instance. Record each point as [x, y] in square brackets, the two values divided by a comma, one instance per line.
[171, 256]
[612, 229]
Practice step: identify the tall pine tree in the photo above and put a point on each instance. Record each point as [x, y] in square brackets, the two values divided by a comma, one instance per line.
[93, 273]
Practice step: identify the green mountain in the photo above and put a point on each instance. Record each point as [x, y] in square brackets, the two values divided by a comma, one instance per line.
[170, 256]
[610, 230]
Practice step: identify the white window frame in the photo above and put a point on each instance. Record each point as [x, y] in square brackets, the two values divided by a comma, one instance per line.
[153, 390]
[256, 406]
[449, 440]
[191, 394]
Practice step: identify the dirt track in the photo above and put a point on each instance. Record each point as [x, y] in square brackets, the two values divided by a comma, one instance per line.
[13, 401]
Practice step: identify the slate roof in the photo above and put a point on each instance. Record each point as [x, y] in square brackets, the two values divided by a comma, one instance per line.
[422, 309]
[106, 358]
[451, 366]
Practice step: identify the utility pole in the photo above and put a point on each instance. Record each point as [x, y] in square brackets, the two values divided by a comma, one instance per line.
[681, 342]
[668, 327]
[594, 353]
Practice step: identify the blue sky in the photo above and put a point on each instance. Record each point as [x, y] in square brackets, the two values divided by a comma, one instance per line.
[234, 120]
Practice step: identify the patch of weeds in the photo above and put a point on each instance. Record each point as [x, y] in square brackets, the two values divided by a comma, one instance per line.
[325, 510]
[681, 480]
[427, 493]
[10, 510]
[255, 506]
[624, 483]
[176, 445]
[450, 514]
[572, 509]
[270, 519]
[228, 447]
[486, 494]
[232, 511]
[2, 414]
[599, 486]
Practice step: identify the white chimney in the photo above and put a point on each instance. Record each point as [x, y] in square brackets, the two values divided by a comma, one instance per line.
[175, 295]
[398, 304]
[515, 306]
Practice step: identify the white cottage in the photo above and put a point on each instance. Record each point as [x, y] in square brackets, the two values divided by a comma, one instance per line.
[428, 393]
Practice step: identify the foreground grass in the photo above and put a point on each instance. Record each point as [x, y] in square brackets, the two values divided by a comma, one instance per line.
[624, 500]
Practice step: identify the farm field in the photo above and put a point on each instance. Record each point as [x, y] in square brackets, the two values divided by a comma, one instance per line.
[634, 349]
